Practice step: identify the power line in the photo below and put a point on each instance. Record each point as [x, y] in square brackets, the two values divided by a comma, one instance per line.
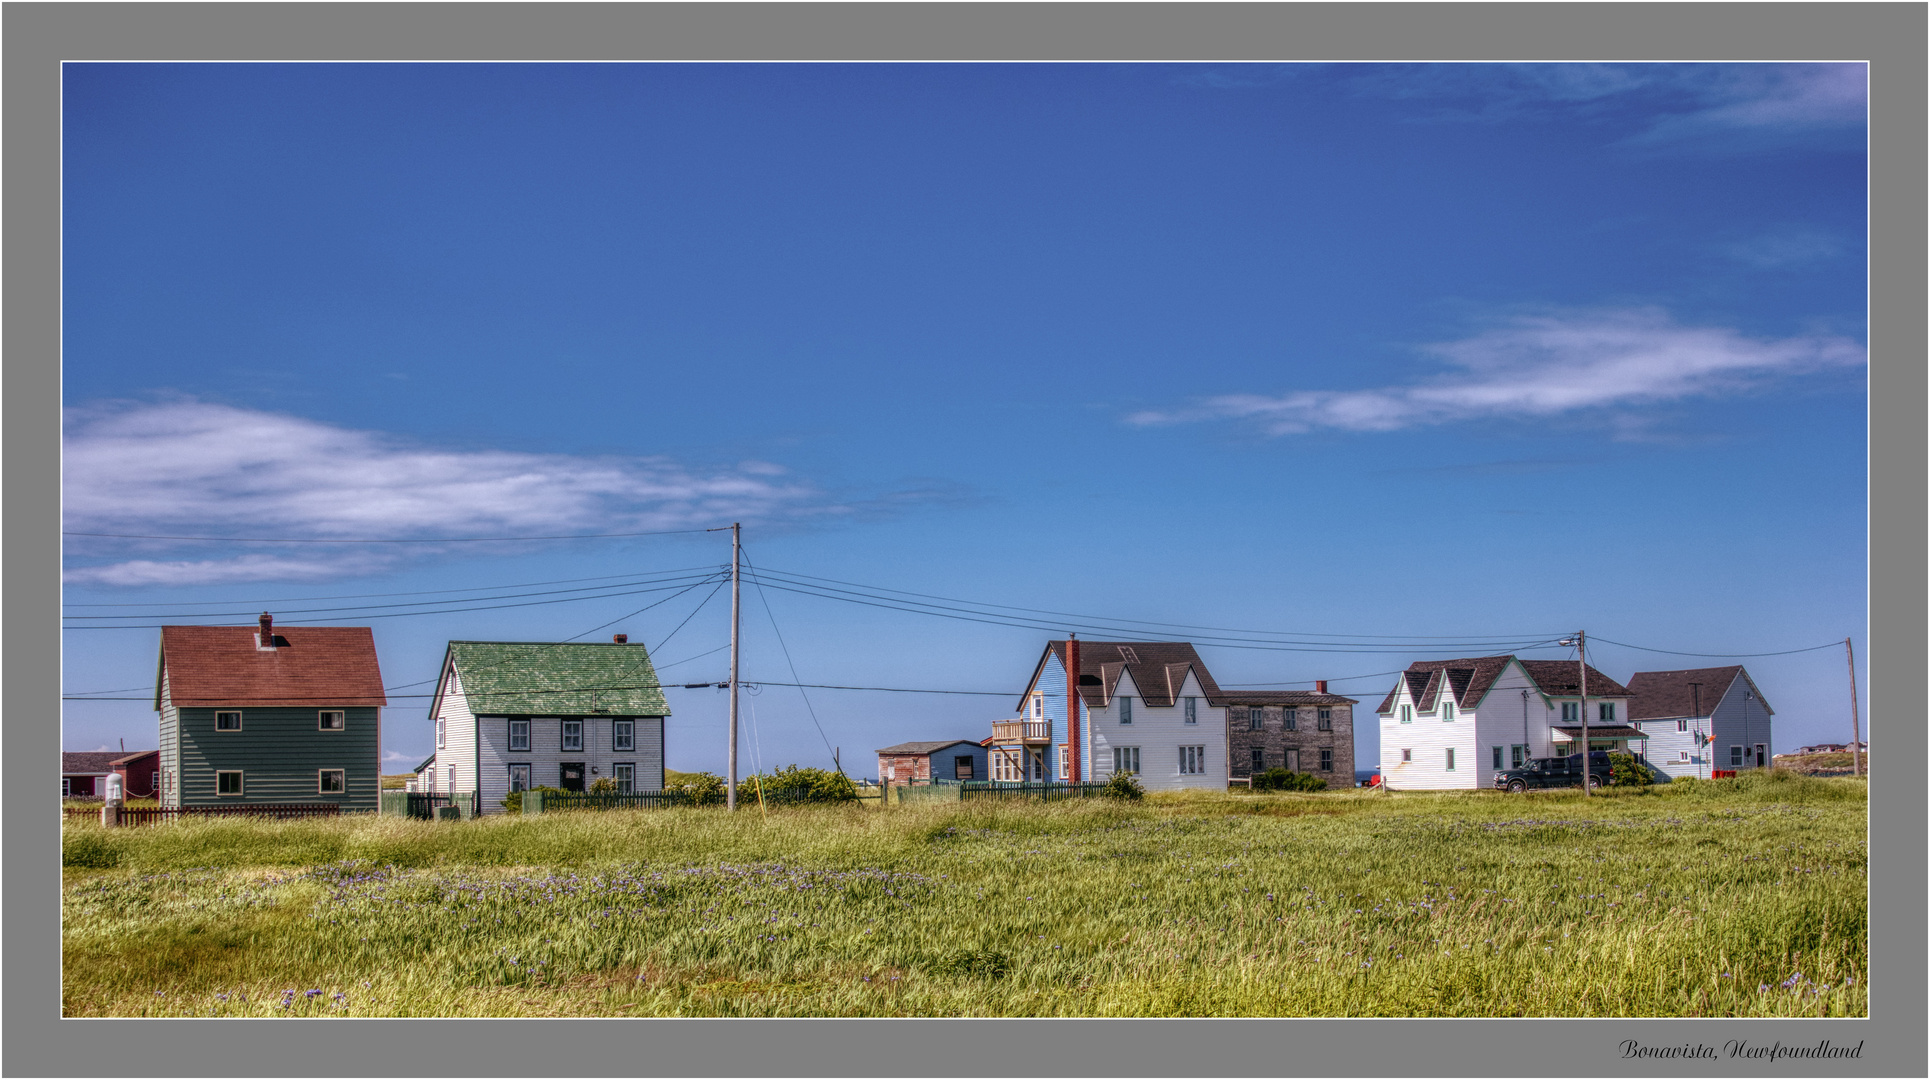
[885, 689]
[635, 613]
[644, 580]
[693, 614]
[766, 600]
[424, 592]
[432, 540]
[1725, 656]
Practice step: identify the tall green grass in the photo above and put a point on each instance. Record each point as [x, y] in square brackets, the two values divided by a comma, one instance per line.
[1742, 898]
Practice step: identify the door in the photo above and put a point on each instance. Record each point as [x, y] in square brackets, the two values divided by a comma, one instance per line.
[570, 776]
[1293, 761]
[1762, 756]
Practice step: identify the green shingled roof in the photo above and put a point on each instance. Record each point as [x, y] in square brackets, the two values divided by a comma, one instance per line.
[544, 678]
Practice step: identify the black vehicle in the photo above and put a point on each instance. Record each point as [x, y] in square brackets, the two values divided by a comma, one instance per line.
[1556, 772]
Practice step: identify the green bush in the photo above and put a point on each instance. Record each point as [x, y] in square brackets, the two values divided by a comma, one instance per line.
[700, 788]
[794, 784]
[603, 785]
[1278, 779]
[1626, 771]
[1124, 785]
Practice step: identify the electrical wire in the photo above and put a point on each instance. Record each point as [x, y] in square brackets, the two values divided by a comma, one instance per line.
[1726, 656]
[431, 540]
[644, 580]
[787, 654]
[693, 614]
[424, 592]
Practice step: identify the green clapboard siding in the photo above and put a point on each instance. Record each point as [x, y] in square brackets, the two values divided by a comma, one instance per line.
[280, 753]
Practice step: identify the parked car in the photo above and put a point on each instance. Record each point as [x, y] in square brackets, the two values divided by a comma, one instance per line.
[1555, 772]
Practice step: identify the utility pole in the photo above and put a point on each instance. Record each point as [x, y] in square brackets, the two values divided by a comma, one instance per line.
[1580, 642]
[1701, 751]
[1856, 735]
[736, 561]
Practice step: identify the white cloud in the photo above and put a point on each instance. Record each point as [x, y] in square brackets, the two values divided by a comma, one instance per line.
[397, 755]
[1786, 248]
[1543, 366]
[197, 469]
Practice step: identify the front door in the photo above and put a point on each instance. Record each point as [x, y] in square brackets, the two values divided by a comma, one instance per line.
[1762, 756]
[571, 778]
[1293, 761]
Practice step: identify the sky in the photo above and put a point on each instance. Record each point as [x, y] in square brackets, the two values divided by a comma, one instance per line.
[1326, 368]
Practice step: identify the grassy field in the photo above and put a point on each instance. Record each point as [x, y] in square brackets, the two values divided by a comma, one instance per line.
[1734, 898]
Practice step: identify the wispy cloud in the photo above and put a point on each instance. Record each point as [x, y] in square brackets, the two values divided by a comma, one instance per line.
[1788, 248]
[1542, 366]
[199, 469]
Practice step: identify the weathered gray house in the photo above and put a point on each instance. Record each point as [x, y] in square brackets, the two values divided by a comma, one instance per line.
[1308, 731]
[267, 715]
[1701, 719]
[515, 715]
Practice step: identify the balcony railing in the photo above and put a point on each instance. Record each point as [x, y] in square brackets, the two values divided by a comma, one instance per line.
[1022, 731]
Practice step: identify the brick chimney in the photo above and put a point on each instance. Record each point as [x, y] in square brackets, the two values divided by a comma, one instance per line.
[1072, 711]
[1320, 686]
[620, 639]
[267, 638]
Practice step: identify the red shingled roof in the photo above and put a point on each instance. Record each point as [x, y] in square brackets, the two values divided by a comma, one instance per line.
[310, 666]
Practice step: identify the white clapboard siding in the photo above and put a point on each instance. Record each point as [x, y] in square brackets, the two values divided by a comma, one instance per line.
[1159, 734]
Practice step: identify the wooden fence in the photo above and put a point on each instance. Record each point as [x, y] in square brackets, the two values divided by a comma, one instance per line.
[543, 802]
[1045, 792]
[149, 815]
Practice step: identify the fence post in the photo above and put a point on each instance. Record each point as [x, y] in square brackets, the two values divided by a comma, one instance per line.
[532, 802]
[110, 815]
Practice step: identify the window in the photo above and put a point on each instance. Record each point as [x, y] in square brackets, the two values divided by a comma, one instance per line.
[1038, 706]
[626, 775]
[1125, 759]
[1005, 765]
[572, 734]
[449, 779]
[66, 787]
[1125, 710]
[331, 782]
[1259, 760]
[1517, 755]
[1497, 757]
[518, 736]
[1447, 710]
[624, 735]
[1681, 755]
[442, 733]
[1407, 756]
[1407, 714]
[1324, 719]
[227, 721]
[332, 720]
[962, 767]
[1682, 724]
[1192, 710]
[1735, 757]
[1065, 761]
[1327, 760]
[1606, 713]
[1571, 711]
[1192, 759]
[1450, 759]
[1290, 719]
[519, 778]
[1255, 719]
[227, 783]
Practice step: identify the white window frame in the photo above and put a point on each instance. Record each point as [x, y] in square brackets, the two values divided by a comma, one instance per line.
[1125, 710]
[322, 717]
[1735, 756]
[219, 713]
[1518, 755]
[625, 773]
[1192, 760]
[623, 735]
[1192, 710]
[1407, 755]
[1682, 755]
[442, 733]
[1682, 724]
[514, 778]
[321, 781]
[241, 784]
[519, 739]
[1038, 706]
[1065, 761]
[1450, 759]
[566, 735]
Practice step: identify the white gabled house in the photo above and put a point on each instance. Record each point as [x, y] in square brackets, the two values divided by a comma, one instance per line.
[1454, 723]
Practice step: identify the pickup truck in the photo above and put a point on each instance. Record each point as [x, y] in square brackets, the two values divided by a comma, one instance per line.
[1554, 772]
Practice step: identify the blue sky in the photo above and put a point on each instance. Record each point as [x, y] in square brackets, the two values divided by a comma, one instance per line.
[1389, 358]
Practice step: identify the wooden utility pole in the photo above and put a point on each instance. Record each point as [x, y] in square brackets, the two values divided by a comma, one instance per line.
[1856, 735]
[1580, 642]
[736, 562]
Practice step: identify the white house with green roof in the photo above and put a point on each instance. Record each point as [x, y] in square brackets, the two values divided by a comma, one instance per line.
[513, 715]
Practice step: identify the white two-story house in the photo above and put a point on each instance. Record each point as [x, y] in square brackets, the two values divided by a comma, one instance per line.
[1145, 707]
[1455, 723]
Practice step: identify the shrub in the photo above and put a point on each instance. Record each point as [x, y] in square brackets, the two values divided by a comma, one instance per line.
[1278, 779]
[701, 788]
[603, 785]
[1123, 785]
[793, 784]
[1625, 770]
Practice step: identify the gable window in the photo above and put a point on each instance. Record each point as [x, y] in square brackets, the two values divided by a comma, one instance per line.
[1571, 711]
[1324, 719]
[1038, 707]
[1125, 710]
[442, 733]
[626, 775]
[624, 735]
[1290, 719]
[572, 734]
[1450, 759]
[1255, 719]
[1192, 710]
[962, 767]
[227, 721]
[519, 736]
[331, 720]
[519, 778]
[1447, 710]
[1407, 714]
[1606, 712]
[229, 783]
[1682, 724]
[1327, 760]
[1259, 760]
[331, 782]
[1125, 759]
[1192, 759]
[1406, 756]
